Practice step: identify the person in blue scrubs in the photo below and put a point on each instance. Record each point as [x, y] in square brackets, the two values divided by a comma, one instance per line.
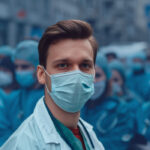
[7, 75]
[22, 103]
[8, 90]
[112, 119]
[119, 87]
[26, 61]
[140, 78]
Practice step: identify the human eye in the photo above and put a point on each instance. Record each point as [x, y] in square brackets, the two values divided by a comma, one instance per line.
[86, 66]
[62, 65]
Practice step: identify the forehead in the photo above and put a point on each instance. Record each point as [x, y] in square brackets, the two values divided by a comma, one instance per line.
[70, 49]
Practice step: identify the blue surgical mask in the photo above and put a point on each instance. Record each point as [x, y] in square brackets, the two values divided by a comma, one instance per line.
[25, 78]
[5, 79]
[99, 89]
[116, 88]
[71, 90]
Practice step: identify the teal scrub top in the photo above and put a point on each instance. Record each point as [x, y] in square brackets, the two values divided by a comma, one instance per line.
[113, 121]
[17, 107]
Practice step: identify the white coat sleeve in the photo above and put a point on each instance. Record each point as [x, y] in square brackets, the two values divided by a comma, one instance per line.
[97, 143]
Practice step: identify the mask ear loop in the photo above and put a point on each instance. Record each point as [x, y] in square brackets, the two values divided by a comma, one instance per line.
[49, 76]
[45, 71]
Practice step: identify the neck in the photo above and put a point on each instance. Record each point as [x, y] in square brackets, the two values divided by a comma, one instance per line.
[70, 120]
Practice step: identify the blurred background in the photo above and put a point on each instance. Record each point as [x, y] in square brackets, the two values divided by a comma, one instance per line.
[114, 21]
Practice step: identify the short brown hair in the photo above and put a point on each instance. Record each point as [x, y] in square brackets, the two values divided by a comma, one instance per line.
[67, 29]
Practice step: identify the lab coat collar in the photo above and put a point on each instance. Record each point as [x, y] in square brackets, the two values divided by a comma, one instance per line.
[45, 123]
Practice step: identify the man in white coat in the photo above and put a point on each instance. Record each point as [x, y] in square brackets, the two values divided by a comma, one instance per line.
[67, 52]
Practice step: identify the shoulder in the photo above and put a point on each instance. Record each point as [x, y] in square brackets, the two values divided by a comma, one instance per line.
[24, 137]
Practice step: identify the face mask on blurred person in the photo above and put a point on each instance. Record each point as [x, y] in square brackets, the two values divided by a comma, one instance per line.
[5, 79]
[116, 88]
[71, 90]
[25, 78]
[99, 89]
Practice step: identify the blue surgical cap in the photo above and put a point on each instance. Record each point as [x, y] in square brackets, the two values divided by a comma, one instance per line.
[118, 66]
[102, 63]
[28, 51]
[6, 51]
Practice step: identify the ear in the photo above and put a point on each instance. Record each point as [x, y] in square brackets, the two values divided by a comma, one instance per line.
[40, 74]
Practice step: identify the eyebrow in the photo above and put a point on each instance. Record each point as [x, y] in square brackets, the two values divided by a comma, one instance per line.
[67, 60]
[60, 60]
[88, 61]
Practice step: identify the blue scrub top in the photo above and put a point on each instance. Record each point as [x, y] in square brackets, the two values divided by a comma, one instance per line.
[114, 122]
[140, 84]
[143, 118]
[18, 105]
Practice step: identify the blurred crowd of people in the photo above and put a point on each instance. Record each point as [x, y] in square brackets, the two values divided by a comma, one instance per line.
[118, 110]
[19, 88]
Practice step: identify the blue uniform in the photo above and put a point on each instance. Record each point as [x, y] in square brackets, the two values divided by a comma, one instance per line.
[143, 116]
[17, 107]
[139, 80]
[5, 127]
[113, 121]
[140, 84]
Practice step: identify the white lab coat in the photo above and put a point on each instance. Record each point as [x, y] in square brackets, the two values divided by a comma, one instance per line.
[39, 133]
